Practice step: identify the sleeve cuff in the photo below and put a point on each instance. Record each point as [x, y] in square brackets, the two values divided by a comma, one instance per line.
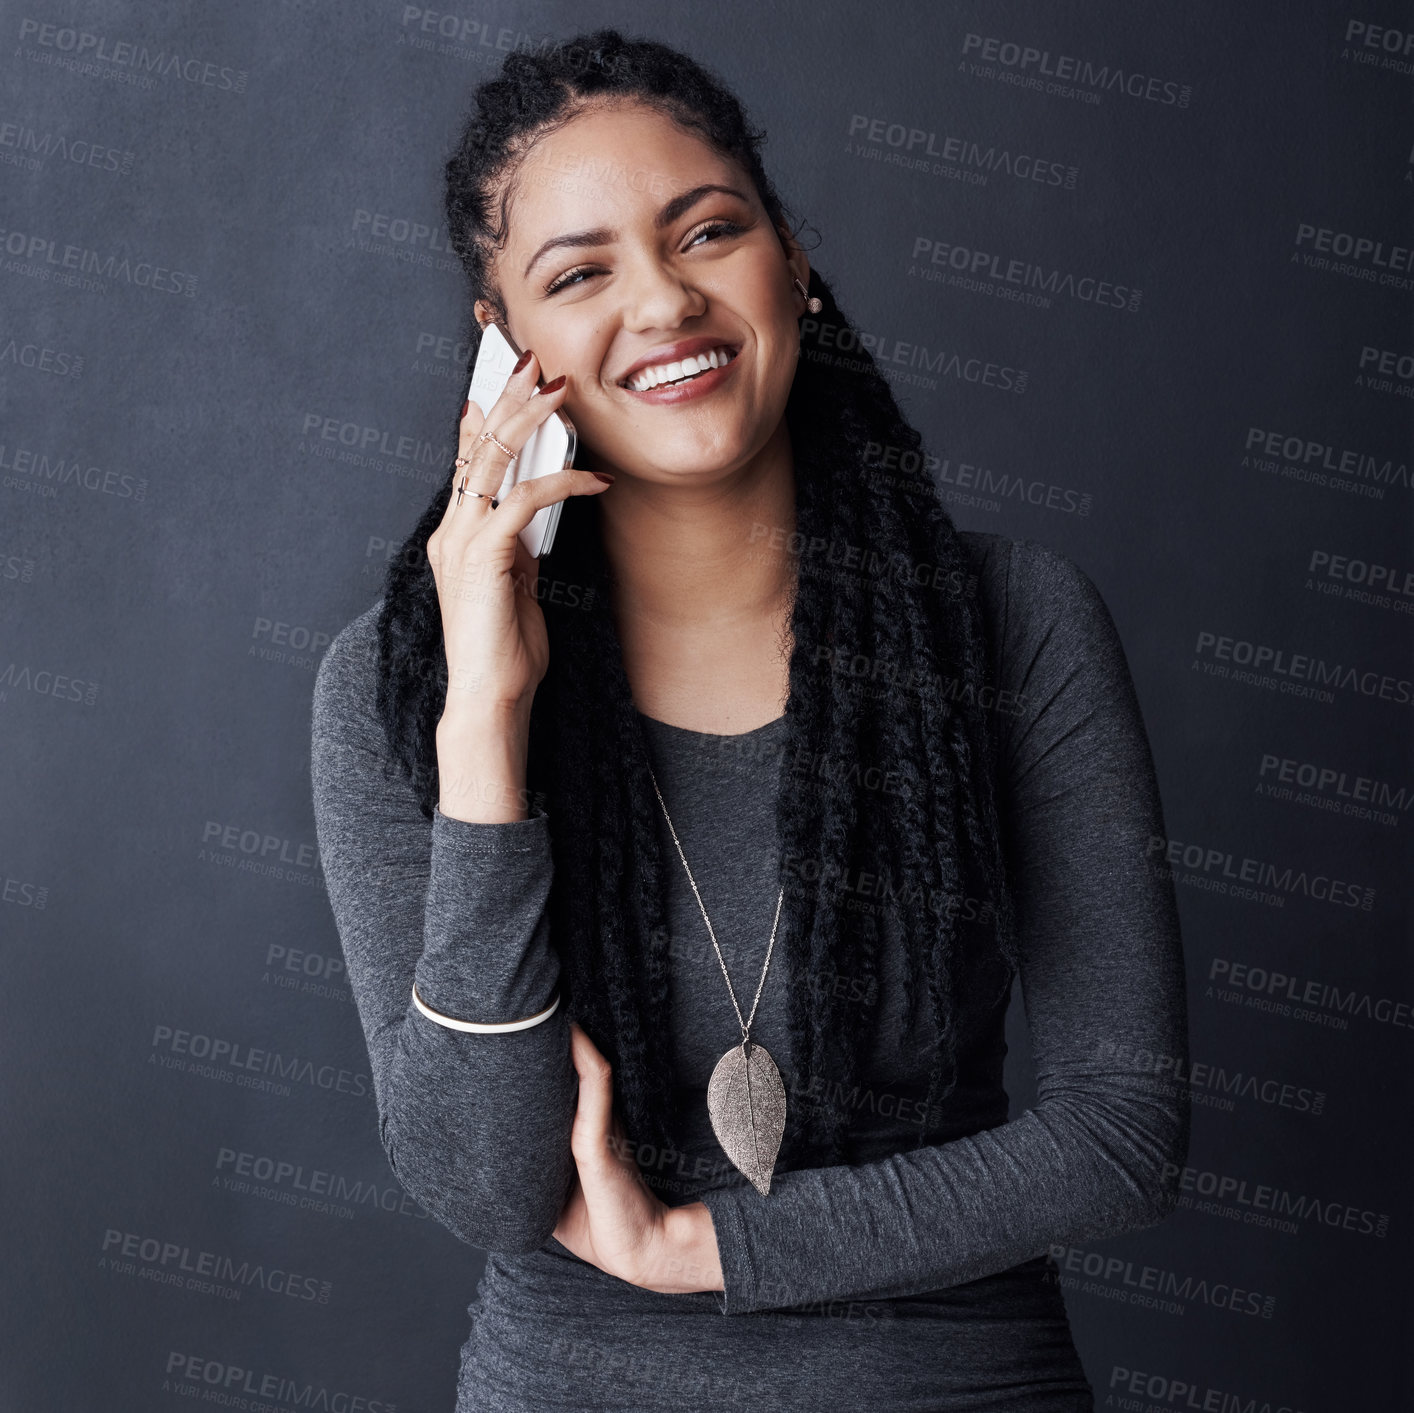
[512, 836]
[486, 946]
[738, 1274]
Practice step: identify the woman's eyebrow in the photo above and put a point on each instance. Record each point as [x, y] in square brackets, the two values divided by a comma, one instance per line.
[602, 235]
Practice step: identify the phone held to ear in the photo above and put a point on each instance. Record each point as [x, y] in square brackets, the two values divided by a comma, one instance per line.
[550, 447]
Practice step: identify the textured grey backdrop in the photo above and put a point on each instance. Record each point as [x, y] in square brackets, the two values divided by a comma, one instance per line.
[229, 375]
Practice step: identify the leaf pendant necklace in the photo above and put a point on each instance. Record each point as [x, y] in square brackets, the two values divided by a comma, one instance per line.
[746, 1099]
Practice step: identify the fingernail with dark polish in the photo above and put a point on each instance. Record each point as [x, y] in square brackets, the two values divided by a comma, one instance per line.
[554, 385]
[466, 407]
[602, 476]
[521, 362]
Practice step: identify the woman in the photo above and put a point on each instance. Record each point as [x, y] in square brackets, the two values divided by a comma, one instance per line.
[766, 754]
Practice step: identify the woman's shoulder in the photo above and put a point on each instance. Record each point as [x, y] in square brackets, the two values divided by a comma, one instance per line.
[1060, 665]
[1051, 635]
[345, 682]
[1028, 590]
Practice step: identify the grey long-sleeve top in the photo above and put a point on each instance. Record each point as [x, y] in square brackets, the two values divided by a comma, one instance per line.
[476, 1126]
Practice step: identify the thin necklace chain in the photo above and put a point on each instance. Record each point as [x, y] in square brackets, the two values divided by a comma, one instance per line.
[745, 1024]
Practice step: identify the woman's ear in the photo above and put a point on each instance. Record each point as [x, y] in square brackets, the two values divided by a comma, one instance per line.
[797, 264]
[484, 312]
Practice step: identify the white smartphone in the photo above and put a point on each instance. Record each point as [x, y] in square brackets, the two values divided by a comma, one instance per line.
[550, 447]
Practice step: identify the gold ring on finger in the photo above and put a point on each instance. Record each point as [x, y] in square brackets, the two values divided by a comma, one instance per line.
[480, 495]
[489, 436]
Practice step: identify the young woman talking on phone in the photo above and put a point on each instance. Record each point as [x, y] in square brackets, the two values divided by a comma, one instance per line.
[683, 873]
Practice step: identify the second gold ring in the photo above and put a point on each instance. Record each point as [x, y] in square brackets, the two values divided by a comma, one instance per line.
[489, 436]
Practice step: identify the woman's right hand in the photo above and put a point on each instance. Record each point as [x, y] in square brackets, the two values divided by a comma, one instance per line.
[493, 628]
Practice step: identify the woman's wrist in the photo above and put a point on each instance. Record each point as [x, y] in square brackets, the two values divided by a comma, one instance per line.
[689, 1260]
[481, 762]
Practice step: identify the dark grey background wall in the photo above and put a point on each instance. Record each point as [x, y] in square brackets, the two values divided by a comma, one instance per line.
[229, 375]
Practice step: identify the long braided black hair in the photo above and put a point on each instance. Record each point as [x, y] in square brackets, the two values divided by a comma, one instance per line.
[905, 608]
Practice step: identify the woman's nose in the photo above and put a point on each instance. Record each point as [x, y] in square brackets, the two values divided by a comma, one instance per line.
[655, 295]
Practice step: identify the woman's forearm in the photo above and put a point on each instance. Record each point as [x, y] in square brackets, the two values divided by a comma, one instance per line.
[481, 761]
[475, 1125]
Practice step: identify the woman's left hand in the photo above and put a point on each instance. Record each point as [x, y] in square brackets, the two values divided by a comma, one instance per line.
[611, 1219]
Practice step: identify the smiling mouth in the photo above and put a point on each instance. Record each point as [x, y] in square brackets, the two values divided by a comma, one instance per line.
[650, 379]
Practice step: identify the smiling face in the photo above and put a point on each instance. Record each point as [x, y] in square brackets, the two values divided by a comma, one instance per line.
[632, 244]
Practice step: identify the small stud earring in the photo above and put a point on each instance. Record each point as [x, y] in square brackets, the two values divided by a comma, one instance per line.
[812, 302]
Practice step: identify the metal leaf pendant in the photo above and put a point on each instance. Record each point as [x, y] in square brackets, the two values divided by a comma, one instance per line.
[746, 1102]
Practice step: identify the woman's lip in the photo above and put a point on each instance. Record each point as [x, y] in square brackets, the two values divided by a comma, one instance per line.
[699, 386]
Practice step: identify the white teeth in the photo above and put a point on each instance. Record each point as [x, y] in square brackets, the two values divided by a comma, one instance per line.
[647, 378]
